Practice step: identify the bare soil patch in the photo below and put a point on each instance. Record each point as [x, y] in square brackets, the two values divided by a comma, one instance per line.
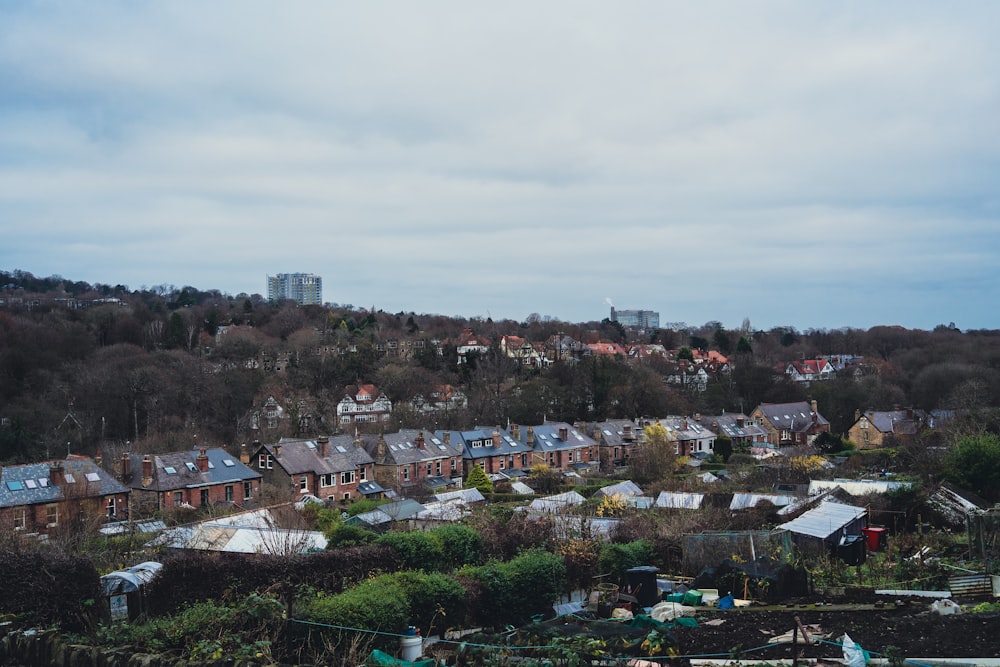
[910, 625]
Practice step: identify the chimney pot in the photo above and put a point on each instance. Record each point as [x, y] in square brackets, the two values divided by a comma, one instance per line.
[202, 460]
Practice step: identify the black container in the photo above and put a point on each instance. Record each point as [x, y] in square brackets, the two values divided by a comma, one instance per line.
[641, 583]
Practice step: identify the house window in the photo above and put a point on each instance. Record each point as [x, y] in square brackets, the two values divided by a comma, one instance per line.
[454, 465]
[524, 461]
[303, 484]
[347, 477]
[20, 518]
[438, 468]
[204, 497]
[52, 515]
[229, 493]
[363, 474]
[503, 463]
[482, 464]
[109, 508]
[429, 468]
[265, 462]
[327, 480]
[247, 490]
[178, 497]
[406, 473]
[347, 496]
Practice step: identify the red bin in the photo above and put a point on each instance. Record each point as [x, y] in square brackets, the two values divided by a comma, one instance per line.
[875, 538]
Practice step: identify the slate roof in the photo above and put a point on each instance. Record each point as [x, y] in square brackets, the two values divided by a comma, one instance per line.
[504, 445]
[547, 437]
[618, 432]
[179, 470]
[31, 484]
[901, 422]
[794, 417]
[730, 426]
[299, 455]
[402, 447]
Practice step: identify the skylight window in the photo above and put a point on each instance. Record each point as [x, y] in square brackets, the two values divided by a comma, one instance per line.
[170, 470]
[311, 445]
[30, 483]
[93, 477]
[43, 482]
[341, 449]
[436, 441]
[229, 463]
[70, 479]
[15, 485]
[190, 466]
[211, 465]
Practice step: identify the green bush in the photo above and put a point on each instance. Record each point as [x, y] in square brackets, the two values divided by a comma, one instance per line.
[347, 535]
[513, 592]
[375, 605]
[417, 550]
[48, 587]
[436, 600]
[615, 559]
[460, 545]
[205, 630]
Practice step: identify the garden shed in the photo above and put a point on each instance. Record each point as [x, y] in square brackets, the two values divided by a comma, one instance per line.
[125, 590]
[827, 525]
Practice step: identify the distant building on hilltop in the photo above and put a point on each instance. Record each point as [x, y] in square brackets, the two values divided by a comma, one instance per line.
[640, 319]
[304, 288]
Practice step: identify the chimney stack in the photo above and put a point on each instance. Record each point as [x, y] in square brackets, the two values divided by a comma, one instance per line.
[420, 441]
[812, 405]
[496, 437]
[531, 436]
[697, 417]
[57, 473]
[147, 470]
[277, 451]
[126, 467]
[564, 434]
[446, 437]
[515, 431]
[244, 454]
[324, 445]
[202, 460]
[99, 459]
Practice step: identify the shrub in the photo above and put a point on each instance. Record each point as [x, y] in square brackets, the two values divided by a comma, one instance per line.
[346, 535]
[513, 592]
[460, 545]
[615, 559]
[417, 550]
[49, 587]
[435, 600]
[374, 605]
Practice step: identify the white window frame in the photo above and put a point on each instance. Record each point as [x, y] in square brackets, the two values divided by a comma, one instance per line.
[52, 515]
[347, 477]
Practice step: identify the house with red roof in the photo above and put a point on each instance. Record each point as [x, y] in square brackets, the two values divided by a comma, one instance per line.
[362, 404]
[810, 370]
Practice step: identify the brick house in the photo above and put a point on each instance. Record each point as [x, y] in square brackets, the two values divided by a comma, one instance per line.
[410, 462]
[496, 451]
[329, 468]
[790, 424]
[561, 446]
[42, 497]
[196, 478]
[740, 429]
[616, 440]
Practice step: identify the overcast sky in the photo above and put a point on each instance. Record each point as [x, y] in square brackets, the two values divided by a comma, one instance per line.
[817, 165]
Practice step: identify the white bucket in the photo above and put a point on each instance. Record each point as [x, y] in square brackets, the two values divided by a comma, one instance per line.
[411, 648]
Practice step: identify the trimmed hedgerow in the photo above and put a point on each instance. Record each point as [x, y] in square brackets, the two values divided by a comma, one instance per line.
[46, 588]
[189, 578]
[514, 591]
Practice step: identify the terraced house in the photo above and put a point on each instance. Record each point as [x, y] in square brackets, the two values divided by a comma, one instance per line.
[45, 497]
